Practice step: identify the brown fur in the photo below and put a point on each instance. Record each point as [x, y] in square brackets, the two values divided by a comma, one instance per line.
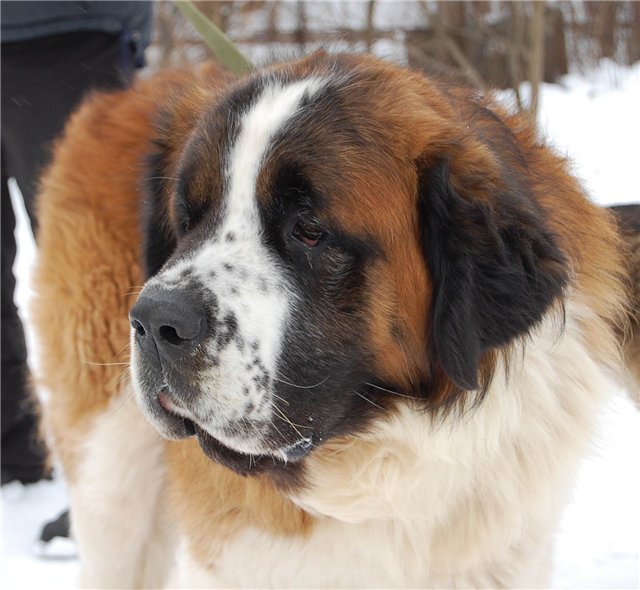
[414, 120]
[88, 272]
[223, 503]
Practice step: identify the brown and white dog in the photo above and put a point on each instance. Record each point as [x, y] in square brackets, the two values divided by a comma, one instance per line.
[378, 322]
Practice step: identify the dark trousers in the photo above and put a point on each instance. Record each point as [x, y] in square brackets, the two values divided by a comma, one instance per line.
[43, 80]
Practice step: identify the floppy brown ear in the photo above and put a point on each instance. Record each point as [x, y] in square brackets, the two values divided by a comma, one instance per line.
[496, 267]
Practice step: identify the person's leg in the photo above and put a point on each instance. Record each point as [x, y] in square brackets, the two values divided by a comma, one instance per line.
[23, 455]
[43, 80]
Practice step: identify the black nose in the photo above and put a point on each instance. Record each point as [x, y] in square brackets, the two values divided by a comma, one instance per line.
[169, 321]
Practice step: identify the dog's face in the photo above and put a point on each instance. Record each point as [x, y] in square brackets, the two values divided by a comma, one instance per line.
[322, 238]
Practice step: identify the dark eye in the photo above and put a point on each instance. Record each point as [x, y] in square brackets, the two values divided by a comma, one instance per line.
[307, 233]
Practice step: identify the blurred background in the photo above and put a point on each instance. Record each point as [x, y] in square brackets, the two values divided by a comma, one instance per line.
[489, 43]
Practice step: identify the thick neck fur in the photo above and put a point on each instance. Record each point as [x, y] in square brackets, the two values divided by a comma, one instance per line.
[454, 493]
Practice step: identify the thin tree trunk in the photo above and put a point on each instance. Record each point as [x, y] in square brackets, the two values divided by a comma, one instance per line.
[536, 55]
[371, 6]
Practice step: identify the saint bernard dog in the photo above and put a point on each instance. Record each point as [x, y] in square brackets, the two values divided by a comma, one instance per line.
[338, 324]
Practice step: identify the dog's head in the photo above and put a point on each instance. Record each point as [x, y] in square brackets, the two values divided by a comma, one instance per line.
[325, 236]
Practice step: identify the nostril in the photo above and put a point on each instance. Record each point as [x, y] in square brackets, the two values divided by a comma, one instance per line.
[138, 327]
[169, 334]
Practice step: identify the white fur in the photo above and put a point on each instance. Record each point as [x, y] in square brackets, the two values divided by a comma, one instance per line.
[269, 115]
[116, 502]
[470, 502]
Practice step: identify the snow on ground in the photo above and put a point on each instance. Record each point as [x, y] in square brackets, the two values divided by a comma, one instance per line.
[596, 120]
[24, 510]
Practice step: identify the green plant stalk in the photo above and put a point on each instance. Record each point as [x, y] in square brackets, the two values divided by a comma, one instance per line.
[224, 50]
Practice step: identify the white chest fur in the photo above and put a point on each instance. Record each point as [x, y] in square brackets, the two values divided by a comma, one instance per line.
[466, 502]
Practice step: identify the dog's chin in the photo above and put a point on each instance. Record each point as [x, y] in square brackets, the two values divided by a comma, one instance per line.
[174, 425]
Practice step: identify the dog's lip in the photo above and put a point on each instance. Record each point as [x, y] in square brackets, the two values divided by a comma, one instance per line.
[169, 406]
[218, 451]
[248, 464]
[175, 425]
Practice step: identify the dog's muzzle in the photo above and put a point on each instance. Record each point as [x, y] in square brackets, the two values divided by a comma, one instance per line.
[173, 333]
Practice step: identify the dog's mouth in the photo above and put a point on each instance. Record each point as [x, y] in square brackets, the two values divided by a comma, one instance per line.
[182, 426]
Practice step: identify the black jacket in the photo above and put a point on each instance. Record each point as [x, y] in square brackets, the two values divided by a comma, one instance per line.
[26, 20]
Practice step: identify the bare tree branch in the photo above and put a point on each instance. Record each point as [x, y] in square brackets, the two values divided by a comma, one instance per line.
[536, 55]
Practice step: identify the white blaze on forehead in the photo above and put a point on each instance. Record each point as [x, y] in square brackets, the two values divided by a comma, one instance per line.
[274, 108]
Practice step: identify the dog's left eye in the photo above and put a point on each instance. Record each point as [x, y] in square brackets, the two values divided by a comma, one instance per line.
[307, 233]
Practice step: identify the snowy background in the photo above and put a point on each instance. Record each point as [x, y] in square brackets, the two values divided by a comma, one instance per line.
[595, 119]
